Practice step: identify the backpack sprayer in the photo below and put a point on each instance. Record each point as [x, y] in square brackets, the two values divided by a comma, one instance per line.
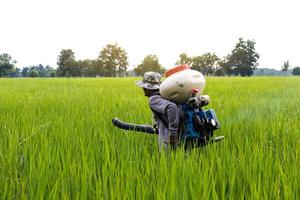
[197, 125]
[184, 87]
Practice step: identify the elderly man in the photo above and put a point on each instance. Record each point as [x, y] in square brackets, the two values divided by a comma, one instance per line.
[166, 113]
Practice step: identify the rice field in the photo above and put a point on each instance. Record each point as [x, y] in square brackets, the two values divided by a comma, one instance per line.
[57, 142]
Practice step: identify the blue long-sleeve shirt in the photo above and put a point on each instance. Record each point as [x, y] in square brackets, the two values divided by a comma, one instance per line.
[168, 119]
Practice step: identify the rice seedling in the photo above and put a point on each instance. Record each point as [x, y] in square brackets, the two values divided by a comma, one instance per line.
[57, 142]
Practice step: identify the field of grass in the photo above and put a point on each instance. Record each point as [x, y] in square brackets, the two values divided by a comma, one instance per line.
[57, 142]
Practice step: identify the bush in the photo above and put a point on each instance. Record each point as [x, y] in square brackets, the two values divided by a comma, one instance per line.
[296, 71]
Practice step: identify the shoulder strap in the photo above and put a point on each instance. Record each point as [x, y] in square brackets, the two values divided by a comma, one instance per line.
[160, 118]
[182, 127]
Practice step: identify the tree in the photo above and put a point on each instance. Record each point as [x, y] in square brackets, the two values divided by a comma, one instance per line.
[99, 70]
[242, 60]
[67, 64]
[6, 64]
[197, 63]
[33, 73]
[210, 61]
[207, 63]
[17, 72]
[286, 66]
[88, 67]
[184, 59]
[226, 67]
[296, 71]
[40, 70]
[25, 72]
[113, 60]
[52, 74]
[150, 63]
[219, 72]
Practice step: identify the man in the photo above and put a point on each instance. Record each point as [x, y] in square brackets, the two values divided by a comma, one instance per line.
[166, 112]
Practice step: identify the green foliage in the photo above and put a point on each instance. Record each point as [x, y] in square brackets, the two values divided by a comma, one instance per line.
[206, 64]
[57, 142]
[66, 56]
[150, 63]
[25, 72]
[184, 59]
[40, 70]
[242, 60]
[33, 74]
[67, 64]
[52, 74]
[219, 72]
[296, 71]
[6, 64]
[88, 67]
[286, 66]
[113, 60]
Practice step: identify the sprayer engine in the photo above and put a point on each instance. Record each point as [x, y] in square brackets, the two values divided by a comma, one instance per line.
[198, 124]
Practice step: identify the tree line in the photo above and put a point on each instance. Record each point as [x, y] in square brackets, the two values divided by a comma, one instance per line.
[113, 61]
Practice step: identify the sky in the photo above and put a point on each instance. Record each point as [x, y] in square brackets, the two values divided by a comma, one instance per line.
[35, 31]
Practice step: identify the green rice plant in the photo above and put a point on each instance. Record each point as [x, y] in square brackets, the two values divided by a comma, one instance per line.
[57, 142]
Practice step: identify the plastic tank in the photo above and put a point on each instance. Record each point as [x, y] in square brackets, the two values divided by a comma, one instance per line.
[180, 82]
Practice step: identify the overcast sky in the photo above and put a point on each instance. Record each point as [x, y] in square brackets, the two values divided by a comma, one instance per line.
[34, 31]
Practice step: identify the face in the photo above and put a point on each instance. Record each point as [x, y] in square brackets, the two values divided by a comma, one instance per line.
[147, 92]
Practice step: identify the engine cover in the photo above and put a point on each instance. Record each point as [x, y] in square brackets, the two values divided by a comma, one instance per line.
[198, 123]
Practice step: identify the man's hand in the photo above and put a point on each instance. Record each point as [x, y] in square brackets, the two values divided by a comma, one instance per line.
[173, 140]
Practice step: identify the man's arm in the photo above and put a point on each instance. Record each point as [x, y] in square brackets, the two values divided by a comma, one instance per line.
[171, 111]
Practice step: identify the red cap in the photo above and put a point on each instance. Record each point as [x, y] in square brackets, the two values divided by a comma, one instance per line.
[195, 91]
[179, 68]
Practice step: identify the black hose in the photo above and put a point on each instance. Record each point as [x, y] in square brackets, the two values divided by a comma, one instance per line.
[133, 127]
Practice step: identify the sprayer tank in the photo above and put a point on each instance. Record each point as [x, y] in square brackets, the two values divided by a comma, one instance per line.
[180, 82]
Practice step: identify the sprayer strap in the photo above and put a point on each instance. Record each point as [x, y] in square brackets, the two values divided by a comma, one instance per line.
[160, 118]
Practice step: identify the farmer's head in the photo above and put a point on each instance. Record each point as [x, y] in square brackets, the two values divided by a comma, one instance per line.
[150, 83]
